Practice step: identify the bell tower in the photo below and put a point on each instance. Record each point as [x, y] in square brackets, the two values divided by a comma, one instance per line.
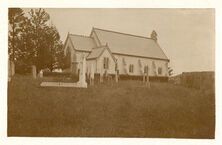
[154, 35]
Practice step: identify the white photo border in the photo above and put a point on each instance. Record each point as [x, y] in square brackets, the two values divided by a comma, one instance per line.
[4, 140]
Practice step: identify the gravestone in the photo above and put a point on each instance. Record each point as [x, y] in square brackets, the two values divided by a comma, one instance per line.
[34, 71]
[117, 76]
[101, 76]
[41, 74]
[147, 80]
[92, 75]
[144, 78]
[116, 72]
[82, 75]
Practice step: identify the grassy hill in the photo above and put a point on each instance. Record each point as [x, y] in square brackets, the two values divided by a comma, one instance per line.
[126, 109]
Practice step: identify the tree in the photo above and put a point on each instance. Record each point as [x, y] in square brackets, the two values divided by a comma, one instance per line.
[59, 57]
[55, 47]
[26, 44]
[39, 19]
[48, 47]
[37, 42]
[15, 17]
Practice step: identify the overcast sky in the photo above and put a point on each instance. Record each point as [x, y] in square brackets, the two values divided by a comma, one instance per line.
[186, 35]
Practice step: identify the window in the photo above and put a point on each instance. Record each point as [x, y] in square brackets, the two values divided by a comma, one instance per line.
[131, 68]
[146, 69]
[159, 70]
[106, 63]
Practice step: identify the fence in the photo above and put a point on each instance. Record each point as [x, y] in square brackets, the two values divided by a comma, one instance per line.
[198, 80]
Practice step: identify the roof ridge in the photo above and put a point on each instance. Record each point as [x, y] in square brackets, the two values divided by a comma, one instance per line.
[80, 35]
[122, 33]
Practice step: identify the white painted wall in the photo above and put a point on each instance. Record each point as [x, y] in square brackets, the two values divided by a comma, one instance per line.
[145, 61]
[100, 60]
[88, 66]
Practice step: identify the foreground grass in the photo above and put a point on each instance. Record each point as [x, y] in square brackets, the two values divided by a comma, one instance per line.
[126, 109]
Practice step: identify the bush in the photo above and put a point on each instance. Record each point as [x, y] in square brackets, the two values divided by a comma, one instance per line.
[61, 76]
[22, 68]
[130, 77]
[56, 74]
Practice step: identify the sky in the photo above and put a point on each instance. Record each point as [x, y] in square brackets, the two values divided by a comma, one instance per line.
[187, 36]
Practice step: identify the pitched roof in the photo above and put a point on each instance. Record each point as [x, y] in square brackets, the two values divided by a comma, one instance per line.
[128, 44]
[96, 52]
[82, 43]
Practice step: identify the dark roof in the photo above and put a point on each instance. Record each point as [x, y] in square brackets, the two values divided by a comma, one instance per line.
[98, 51]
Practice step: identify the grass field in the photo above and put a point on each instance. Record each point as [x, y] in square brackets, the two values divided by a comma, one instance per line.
[126, 109]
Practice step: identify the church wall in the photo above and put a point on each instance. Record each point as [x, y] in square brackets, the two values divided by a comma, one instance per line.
[137, 70]
[100, 62]
[89, 64]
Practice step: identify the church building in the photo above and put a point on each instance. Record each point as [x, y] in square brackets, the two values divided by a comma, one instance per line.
[110, 51]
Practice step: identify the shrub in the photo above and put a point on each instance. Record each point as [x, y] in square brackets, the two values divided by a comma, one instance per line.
[22, 68]
[61, 76]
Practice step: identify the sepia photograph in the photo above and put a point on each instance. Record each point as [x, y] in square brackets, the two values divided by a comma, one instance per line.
[111, 72]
